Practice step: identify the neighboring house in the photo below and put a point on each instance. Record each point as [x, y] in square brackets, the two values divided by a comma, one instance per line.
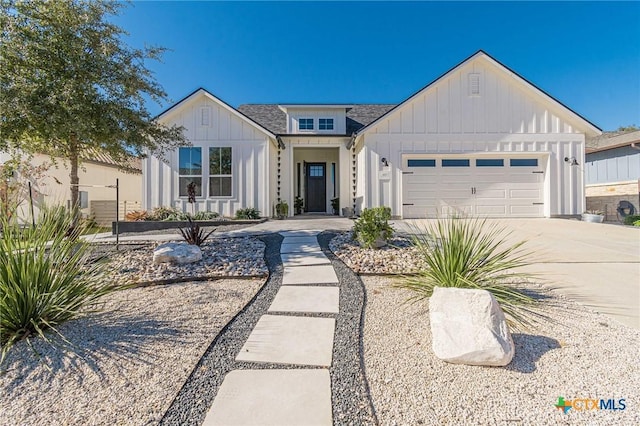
[612, 171]
[478, 140]
[96, 173]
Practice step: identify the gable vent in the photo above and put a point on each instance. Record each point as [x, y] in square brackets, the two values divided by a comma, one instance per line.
[474, 84]
[205, 116]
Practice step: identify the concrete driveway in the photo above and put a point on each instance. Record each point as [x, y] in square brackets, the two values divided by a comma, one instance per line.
[597, 265]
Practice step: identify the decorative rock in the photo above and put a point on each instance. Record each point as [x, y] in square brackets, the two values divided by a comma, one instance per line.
[180, 253]
[469, 327]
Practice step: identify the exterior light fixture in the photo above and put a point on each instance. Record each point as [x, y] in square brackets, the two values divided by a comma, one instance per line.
[571, 160]
[384, 161]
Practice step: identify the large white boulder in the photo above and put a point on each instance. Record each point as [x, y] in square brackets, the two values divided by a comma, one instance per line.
[177, 253]
[469, 327]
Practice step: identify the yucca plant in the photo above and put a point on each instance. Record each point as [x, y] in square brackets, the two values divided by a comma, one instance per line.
[471, 253]
[194, 235]
[45, 277]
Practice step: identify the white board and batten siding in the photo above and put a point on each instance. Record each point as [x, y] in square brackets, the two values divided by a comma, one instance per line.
[478, 110]
[209, 123]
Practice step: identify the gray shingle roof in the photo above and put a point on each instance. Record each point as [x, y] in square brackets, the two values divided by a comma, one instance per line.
[361, 115]
[610, 140]
[274, 119]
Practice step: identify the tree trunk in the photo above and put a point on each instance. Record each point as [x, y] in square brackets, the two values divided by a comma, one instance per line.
[73, 175]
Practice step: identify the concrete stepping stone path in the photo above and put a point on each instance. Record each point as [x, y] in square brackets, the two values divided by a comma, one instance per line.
[309, 275]
[304, 259]
[287, 397]
[280, 339]
[273, 397]
[306, 299]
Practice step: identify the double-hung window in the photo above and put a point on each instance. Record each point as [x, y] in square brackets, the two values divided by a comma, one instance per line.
[220, 172]
[190, 170]
[305, 124]
[325, 124]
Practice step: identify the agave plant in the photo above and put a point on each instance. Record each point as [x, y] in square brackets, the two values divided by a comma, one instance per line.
[194, 235]
[46, 277]
[471, 253]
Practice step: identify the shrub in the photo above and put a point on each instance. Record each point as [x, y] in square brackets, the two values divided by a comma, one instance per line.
[248, 213]
[298, 204]
[167, 214]
[45, 277]
[282, 209]
[335, 205]
[136, 216]
[631, 219]
[205, 216]
[194, 235]
[469, 253]
[373, 225]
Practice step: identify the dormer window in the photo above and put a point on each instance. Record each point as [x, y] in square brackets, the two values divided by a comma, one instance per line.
[305, 124]
[325, 124]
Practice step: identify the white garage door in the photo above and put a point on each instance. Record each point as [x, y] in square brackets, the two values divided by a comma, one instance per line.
[497, 186]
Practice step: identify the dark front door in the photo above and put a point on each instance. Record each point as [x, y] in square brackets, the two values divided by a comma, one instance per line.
[315, 187]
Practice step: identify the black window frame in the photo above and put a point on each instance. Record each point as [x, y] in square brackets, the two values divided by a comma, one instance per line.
[323, 123]
[308, 124]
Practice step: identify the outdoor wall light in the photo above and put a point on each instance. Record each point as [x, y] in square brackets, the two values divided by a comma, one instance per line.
[384, 161]
[572, 161]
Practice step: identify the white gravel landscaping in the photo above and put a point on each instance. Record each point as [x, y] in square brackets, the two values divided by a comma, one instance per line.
[221, 257]
[398, 256]
[581, 354]
[126, 364]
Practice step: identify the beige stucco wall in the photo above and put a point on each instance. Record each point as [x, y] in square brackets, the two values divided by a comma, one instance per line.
[54, 188]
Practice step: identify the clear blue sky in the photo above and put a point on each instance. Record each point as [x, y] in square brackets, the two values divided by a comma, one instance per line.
[587, 55]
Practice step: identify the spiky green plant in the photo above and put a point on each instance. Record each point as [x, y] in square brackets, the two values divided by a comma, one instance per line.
[472, 253]
[45, 277]
[194, 235]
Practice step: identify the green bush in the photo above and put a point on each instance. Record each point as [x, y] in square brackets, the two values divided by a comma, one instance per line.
[167, 214]
[205, 216]
[282, 209]
[248, 213]
[373, 225]
[632, 219]
[45, 277]
[469, 253]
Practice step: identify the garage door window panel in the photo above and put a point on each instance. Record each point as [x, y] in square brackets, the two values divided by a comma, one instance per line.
[489, 162]
[421, 163]
[457, 162]
[523, 162]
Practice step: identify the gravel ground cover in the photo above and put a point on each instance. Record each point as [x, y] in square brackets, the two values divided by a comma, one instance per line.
[242, 256]
[216, 230]
[122, 366]
[351, 405]
[399, 256]
[581, 354]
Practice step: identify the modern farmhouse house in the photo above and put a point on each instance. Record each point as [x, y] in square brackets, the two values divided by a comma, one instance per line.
[478, 140]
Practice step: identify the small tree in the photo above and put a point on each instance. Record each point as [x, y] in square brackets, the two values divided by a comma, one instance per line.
[70, 86]
[15, 175]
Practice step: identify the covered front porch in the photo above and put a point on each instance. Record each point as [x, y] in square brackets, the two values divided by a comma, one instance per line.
[317, 174]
